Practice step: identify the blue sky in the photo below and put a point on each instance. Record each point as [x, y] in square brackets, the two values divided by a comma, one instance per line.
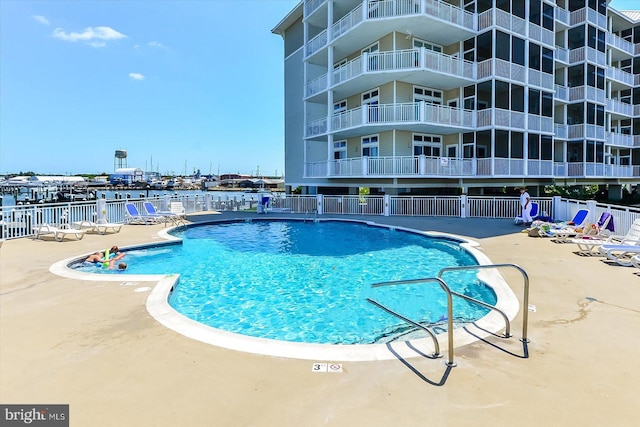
[195, 83]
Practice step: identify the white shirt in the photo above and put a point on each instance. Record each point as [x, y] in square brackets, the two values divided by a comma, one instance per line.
[523, 198]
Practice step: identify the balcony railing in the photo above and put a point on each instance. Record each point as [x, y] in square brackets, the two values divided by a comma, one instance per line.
[414, 112]
[562, 15]
[542, 35]
[620, 43]
[588, 93]
[540, 79]
[404, 60]
[561, 93]
[317, 43]
[589, 15]
[449, 167]
[585, 131]
[311, 5]
[620, 75]
[501, 19]
[501, 68]
[587, 53]
[561, 55]
[619, 107]
[560, 131]
[619, 139]
[396, 8]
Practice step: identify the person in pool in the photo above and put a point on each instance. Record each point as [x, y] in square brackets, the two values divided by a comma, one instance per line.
[121, 267]
[95, 258]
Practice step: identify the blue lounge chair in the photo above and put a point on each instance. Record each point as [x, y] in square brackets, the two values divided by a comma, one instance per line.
[563, 232]
[166, 216]
[133, 216]
[534, 213]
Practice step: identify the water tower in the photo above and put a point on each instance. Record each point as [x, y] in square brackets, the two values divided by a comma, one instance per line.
[120, 160]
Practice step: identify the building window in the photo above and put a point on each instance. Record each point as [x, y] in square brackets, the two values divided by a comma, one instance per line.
[427, 145]
[370, 146]
[534, 102]
[417, 44]
[534, 56]
[339, 150]
[340, 107]
[428, 95]
[517, 50]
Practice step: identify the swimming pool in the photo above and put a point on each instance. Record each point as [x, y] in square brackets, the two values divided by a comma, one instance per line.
[308, 281]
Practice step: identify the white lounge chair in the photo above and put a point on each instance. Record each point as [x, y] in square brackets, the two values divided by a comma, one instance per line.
[58, 233]
[635, 261]
[588, 246]
[563, 232]
[100, 226]
[622, 254]
[167, 216]
[178, 209]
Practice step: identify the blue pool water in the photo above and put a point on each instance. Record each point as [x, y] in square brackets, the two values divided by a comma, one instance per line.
[308, 282]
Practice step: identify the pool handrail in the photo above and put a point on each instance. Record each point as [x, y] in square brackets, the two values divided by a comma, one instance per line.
[450, 362]
[525, 310]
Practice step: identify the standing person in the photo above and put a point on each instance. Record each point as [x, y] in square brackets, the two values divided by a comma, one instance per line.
[525, 202]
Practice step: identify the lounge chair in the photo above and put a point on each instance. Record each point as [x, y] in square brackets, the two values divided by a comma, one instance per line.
[635, 261]
[58, 233]
[600, 230]
[100, 226]
[562, 232]
[167, 216]
[621, 254]
[534, 213]
[178, 209]
[133, 216]
[591, 246]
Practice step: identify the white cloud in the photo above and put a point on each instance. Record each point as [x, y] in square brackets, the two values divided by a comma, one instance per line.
[136, 76]
[90, 35]
[41, 19]
[155, 44]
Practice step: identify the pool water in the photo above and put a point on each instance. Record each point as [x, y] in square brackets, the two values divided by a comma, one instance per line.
[308, 281]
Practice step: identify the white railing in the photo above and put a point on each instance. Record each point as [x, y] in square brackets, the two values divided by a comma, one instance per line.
[589, 93]
[311, 5]
[619, 107]
[589, 15]
[542, 35]
[316, 127]
[317, 85]
[418, 112]
[540, 79]
[503, 20]
[402, 60]
[425, 206]
[636, 140]
[620, 43]
[586, 131]
[636, 79]
[560, 131]
[317, 43]
[561, 93]
[561, 54]
[620, 139]
[353, 205]
[562, 15]
[347, 22]
[587, 53]
[539, 123]
[450, 13]
[620, 75]
[503, 69]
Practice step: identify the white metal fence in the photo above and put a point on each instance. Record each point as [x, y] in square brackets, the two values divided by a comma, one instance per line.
[21, 221]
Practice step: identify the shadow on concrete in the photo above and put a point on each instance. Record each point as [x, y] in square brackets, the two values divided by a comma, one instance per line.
[415, 370]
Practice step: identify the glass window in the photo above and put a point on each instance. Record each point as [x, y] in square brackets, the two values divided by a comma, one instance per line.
[502, 95]
[370, 146]
[517, 139]
[339, 150]
[484, 48]
[601, 40]
[503, 5]
[534, 102]
[517, 50]
[600, 78]
[591, 75]
[517, 98]
[576, 37]
[547, 60]
[503, 45]
[592, 37]
[518, 8]
[547, 104]
[533, 147]
[534, 12]
[547, 16]
[591, 152]
[599, 115]
[546, 145]
[502, 144]
[591, 113]
[534, 56]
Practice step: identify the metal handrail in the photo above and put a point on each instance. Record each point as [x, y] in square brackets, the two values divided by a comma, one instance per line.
[525, 315]
[446, 288]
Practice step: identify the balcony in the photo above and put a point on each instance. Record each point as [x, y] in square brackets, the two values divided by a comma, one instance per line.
[561, 55]
[589, 15]
[371, 20]
[416, 116]
[413, 65]
[588, 93]
[310, 6]
[501, 68]
[621, 45]
[620, 76]
[449, 167]
[582, 131]
[617, 108]
[561, 93]
[560, 131]
[563, 21]
[587, 54]
[619, 139]
[501, 19]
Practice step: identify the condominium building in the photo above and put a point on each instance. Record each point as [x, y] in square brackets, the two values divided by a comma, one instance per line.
[468, 96]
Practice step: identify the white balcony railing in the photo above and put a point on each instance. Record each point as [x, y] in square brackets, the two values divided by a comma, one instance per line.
[502, 68]
[311, 5]
[501, 19]
[416, 59]
[619, 139]
[620, 43]
[562, 15]
[588, 93]
[586, 131]
[542, 35]
[587, 53]
[316, 127]
[540, 79]
[374, 10]
[317, 43]
[414, 112]
[561, 93]
[561, 55]
[618, 107]
[589, 15]
[620, 75]
[446, 167]
[317, 85]
[560, 130]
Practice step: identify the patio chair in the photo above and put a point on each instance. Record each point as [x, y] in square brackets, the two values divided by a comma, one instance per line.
[100, 226]
[600, 230]
[133, 216]
[178, 209]
[622, 254]
[591, 246]
[167, 216]
[534, 213]
[58, 233]
[635, 261]
[562, 232]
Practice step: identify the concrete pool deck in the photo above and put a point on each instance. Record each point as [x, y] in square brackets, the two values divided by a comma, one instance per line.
[94, 346]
